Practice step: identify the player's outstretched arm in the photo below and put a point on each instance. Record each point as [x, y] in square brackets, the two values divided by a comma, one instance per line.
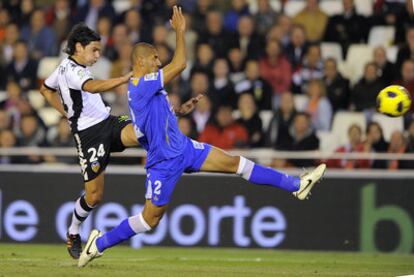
[179, 62]
[53, 99]
[98, 86]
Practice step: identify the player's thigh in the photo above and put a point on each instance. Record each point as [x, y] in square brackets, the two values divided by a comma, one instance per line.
[128, 136]
[94, 189]
[219, 160]
[152, 213]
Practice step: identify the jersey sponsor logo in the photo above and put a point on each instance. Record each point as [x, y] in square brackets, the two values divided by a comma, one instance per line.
[151, 76]
[123, 118]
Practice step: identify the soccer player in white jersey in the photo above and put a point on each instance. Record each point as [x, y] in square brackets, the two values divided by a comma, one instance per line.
[170, 153]
[72, 90]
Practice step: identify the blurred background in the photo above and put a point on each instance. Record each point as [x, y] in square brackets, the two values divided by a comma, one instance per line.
[288, 83]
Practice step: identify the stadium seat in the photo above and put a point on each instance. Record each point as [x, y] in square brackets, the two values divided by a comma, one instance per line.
[121, 5]
[36, 99]
[328, 142]
[49, 116]
[275, 4]
[294, 7]
[358, 56]
[300, 102]
[266, 117]
[101, 69]
[332, 50]
[389, 124]
[364, 7]
[46, 67]
[343, 120]
[381, 35]
[331, 7]
[392, 52]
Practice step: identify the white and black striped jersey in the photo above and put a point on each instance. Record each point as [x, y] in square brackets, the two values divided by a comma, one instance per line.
[83, 109]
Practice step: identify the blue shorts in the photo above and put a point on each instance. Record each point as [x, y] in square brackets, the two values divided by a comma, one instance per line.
[163, 176]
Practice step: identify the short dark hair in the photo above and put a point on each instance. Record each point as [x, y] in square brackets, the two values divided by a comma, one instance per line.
[82, 34]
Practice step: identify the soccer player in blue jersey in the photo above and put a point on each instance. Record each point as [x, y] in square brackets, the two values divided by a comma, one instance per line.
[170, 153]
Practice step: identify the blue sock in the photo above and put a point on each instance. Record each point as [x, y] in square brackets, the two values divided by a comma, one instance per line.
[117, 235]
[260, 175]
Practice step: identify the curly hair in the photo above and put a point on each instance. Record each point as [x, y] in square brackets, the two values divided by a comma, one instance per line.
[82, 34]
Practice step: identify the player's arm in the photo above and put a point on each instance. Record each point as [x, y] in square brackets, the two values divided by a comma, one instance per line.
[53, 99]
[98, 86]
[179, 62]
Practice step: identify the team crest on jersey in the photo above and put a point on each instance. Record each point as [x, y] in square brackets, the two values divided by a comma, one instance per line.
[95, 166]
[81, 73]
[151, 76]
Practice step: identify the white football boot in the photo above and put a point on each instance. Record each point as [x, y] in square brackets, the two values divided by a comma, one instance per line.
[308, 180]
[90, 251]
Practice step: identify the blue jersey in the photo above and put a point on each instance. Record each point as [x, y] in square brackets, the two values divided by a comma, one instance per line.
[153, 118]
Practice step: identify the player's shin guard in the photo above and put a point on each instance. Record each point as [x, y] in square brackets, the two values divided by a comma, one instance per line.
[260, 175]
[80, 213]
[125, 230]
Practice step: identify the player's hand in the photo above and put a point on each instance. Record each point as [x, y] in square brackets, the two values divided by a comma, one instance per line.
[127, 76]
[189, 106]
[177, 20]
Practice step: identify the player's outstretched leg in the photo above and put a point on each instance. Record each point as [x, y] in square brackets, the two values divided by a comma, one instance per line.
[143, 222]
[83, 206]
[220, 161]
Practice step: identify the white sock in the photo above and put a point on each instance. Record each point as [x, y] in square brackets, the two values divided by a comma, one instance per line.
[138, 224]
[245, 168]
[80, 213]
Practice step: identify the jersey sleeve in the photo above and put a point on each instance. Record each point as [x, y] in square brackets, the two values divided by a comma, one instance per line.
[78, 76]
[52, 81]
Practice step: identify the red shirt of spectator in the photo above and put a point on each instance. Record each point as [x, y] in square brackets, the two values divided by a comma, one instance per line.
[226, 134]
[275, 68]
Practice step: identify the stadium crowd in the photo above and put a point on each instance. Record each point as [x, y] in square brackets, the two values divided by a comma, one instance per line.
[243, 60]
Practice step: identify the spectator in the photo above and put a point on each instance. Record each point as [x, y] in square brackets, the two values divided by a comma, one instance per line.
[164, 53]
[5, 120]
[63, 138]
[397, 147]
[8, 140]
[406, 51]
[297, 47]
[12, 103]
[91, 10]
[119, 37]
[202, 113]
[354, 145]
[4, 21]
[225, 132]
[41, 39]
[250, 119]
[60, 17]
[133, 22]
[265, 16]
[364, 95]
[409, 147]
[385, 67]
[204, 60]
[200, 15]
[318, 106]
[159, 34]
[222, 89]
[187, 127]
[275, 69]
[11, 35]
[311, 68]
[31, 134]
[277, 135]
[302, 138]
[236, 59]
[375, 142]
[407, 79]
[249, 42]
[260, 89]
[26, 10]
[347, 28]
[104, 29]
[215, 35]
[238, 9]
[337, 87]
[199, 85]
[313, 19]
[22, 69]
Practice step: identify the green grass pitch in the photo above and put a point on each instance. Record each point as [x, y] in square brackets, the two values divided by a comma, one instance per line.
[53, 260]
